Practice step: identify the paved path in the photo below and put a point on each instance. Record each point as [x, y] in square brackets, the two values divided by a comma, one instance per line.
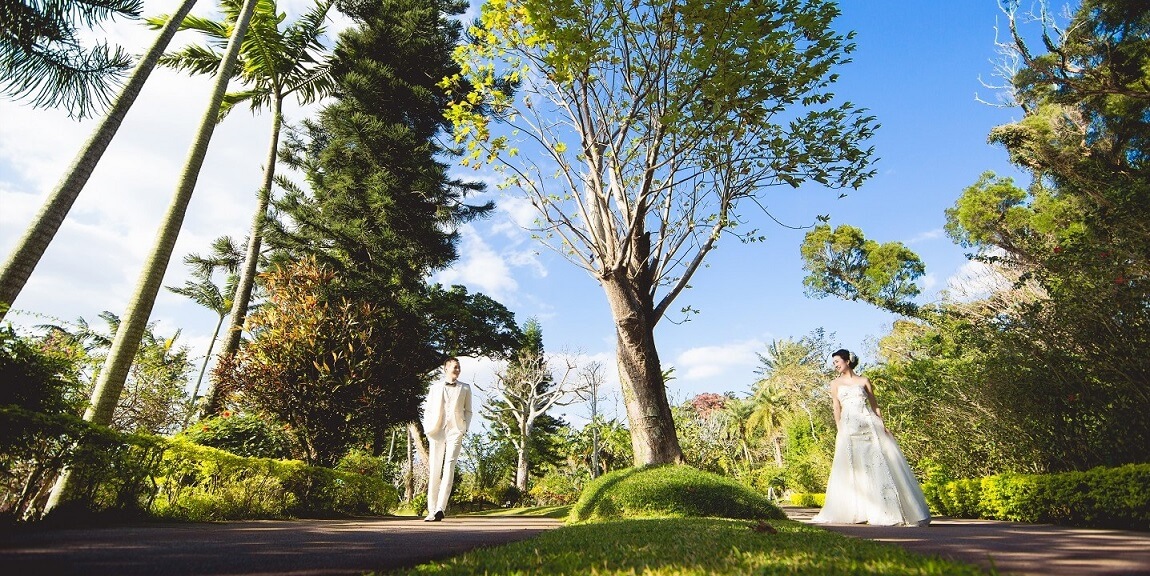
[353, 547]
[1012, 547]
[311, 547]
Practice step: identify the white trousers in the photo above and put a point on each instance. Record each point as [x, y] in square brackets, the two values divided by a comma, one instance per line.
[443, 452]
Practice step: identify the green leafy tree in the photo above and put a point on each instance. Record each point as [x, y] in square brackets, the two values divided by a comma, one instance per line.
[31, 246]
[1075, 242]
[645, 139]
[845, 264]
[793, 375]
[273, 65]
[154, 398]
[42, 59]
[324, 363]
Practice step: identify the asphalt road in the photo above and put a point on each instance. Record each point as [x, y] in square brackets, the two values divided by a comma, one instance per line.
[354, 547]
[1013, 547]
[301, 547]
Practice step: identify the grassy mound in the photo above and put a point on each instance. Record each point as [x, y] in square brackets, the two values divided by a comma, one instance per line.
[669, 491]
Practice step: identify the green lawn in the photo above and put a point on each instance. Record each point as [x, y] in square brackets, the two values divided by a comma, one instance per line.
[681, 546]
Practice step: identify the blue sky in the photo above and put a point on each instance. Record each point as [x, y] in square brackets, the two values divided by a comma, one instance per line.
[917, 68]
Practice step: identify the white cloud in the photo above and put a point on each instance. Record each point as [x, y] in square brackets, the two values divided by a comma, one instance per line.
[707, 362]
[925, 236]
[929, 281]
[479, 267]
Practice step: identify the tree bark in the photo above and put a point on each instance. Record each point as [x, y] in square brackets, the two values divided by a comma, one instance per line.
[114, 373]
[251, 259]
[28, 251]
[641, 376]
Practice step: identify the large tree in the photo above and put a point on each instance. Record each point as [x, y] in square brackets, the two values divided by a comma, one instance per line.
[642, 130]
[1047, 365]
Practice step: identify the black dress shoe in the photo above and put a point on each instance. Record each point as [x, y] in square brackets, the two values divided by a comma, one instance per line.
[438, 515]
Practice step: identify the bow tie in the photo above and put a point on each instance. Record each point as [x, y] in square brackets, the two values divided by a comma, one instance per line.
[451, 383]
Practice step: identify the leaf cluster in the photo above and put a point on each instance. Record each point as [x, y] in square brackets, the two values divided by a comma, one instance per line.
[43, 61]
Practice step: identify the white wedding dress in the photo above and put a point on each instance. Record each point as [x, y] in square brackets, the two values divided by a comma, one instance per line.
[870, 480]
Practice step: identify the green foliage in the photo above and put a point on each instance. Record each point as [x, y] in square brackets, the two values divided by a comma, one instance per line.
[167, 478]
[808, 458]
[38, 375]
[243, 435]
[273, 63]
[808, 499]
[555, 489]
[1100, 497]
[322, 363]
[382, 210]
[153, 399]
[43, 60]
[674, 491]
[693, 546]
[845, 264]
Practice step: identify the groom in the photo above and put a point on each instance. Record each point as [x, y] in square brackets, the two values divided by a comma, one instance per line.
[446, 417]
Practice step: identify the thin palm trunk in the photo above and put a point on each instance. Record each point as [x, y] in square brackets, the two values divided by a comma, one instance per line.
[114, 373]
[203, 369]
[32, 245]
[251, 260]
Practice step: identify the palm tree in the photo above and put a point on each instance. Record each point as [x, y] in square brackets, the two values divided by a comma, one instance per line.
[41, 58]
[114, 373]
[738, 413]
[31, 246]
[769, 409]
[208, 294]
[274, 64]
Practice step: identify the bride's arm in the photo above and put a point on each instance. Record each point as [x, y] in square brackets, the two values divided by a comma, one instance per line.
[835, 401]
[873, 401]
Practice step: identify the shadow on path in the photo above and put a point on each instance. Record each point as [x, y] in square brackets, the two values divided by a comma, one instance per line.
[301, 547]
[1012, 547]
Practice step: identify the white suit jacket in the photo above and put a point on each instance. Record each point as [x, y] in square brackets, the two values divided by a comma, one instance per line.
[448, 409]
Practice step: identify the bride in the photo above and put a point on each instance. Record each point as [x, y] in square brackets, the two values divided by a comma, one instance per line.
[870, 480]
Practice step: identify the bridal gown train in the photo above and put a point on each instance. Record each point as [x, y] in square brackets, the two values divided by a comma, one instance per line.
[870, 480]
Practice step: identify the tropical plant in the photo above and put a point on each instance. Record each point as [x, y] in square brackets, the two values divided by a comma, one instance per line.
[649, 136]
[273, 65]
[111, 379]
[205, 292]
[42, 59]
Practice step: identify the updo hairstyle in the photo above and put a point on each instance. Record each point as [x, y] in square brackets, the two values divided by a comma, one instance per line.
[848, 357]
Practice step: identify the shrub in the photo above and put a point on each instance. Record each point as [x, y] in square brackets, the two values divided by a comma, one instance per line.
[242, 434]
[808, 499]
[669, 491]
[1100, 497]
[170, 478]
[555, 489]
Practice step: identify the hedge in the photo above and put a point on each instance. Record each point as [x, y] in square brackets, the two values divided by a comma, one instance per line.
[1101, 497]
[166, 478]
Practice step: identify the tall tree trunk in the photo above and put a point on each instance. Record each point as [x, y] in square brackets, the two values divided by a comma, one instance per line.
[251, 260]
[114, 372]
[28, 251]
[645, 394]
[522, 464]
